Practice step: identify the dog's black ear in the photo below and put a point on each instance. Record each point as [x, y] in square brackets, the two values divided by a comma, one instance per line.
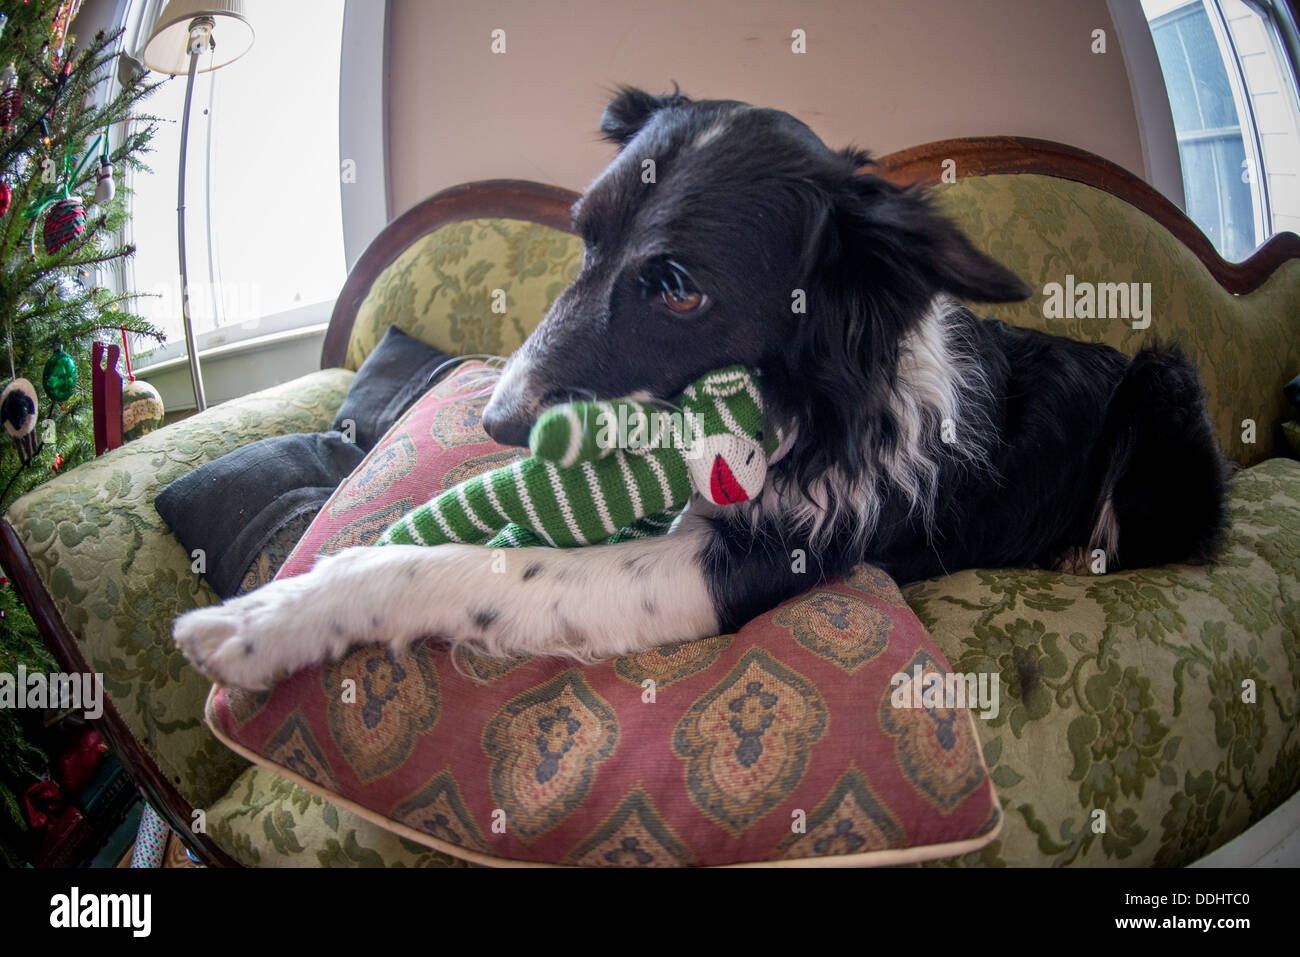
[903, 223]
[629, 110]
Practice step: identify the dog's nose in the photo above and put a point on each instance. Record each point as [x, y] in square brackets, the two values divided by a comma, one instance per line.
[506, 429]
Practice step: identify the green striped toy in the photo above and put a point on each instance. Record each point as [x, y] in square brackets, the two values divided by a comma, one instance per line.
[609, 471]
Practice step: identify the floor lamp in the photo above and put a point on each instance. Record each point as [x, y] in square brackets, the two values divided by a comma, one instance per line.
[187, 30]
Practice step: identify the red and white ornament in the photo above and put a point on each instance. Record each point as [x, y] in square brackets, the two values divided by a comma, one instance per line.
[65, 221]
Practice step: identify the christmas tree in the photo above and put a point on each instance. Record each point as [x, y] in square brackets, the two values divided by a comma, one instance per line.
[67, 135]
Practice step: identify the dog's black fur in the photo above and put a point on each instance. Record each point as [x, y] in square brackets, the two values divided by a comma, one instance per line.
[747, 206]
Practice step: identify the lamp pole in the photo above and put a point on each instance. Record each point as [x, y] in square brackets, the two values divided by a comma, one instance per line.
[200, 37]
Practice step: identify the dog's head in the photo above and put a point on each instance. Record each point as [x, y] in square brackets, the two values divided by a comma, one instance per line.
[726, 234]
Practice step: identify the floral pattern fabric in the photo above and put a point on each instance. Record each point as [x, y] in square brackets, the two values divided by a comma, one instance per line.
[476, 287]
[1147, 716]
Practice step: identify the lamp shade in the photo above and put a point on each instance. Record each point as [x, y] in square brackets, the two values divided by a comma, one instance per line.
[168, 48]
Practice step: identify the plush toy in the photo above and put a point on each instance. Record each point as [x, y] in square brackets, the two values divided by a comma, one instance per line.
[609, 471]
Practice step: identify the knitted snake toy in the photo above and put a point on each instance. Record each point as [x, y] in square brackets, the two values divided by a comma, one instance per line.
[608, 471]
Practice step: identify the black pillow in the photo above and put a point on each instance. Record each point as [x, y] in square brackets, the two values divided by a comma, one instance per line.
[232, 506]
[395, 374]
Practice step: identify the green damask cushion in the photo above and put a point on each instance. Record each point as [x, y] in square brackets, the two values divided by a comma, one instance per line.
[781, 742]
[118, 577]
[442, 289]
[1166, 699]
[1044, 228]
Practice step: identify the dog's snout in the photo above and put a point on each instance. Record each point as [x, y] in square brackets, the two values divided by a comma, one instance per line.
[505, 428]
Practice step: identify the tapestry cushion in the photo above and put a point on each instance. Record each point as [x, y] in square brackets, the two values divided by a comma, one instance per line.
[783, 742]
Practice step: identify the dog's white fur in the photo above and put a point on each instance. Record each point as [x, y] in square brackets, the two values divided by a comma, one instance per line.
[937, 374]
[584, 603]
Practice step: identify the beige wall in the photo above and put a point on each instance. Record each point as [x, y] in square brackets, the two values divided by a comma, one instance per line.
[884, 74]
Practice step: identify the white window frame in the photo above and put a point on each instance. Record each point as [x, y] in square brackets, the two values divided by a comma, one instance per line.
[1155, 118]
[366, 203]
[1160, 146]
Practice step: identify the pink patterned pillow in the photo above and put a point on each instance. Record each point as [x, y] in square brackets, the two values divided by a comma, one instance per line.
[778, 743]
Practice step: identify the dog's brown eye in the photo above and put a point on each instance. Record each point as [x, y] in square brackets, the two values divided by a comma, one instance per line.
[681, 301]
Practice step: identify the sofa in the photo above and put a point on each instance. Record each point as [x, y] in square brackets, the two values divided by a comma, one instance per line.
[1148, 716]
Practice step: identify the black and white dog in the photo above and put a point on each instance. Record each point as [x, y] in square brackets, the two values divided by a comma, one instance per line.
[918, 437]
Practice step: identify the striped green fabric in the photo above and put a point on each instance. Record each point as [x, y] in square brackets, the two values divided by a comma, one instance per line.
[606, 471]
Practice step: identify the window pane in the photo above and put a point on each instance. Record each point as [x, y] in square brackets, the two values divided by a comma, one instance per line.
[1211, 145]
[264, 224]
[1217, 199]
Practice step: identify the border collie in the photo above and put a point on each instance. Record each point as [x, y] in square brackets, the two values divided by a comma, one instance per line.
[917, 436]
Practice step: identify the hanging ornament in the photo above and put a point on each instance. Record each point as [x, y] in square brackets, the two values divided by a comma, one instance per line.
[104, 175]
[66, 217]
[65, 221]
[6, 195]
[18, 408]
[11, 98]
[60, 375]
[104, 187]
[142, 406]
[4, 18]
[142, 409]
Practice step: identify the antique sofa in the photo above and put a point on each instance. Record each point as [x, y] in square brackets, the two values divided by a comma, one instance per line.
[1166, 699]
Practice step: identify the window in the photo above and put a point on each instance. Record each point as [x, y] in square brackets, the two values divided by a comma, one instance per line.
[264, 225]
[1232, 91]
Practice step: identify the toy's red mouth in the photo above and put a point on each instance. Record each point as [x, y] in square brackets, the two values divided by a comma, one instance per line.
[723, 487]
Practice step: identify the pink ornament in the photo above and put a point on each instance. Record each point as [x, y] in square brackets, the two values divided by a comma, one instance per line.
[65, 221]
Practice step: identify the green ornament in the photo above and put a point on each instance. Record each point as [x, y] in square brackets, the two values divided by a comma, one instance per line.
[60, 377]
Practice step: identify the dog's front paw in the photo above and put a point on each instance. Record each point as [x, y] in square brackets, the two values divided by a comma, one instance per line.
[251, 641]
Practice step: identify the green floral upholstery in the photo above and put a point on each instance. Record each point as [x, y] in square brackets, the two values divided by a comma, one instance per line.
[1124, 693]
[118, 576]
[1247, 347]
[441, 288]
[265, 821]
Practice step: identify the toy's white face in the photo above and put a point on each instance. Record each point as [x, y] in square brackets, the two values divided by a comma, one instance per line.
[726, 469]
